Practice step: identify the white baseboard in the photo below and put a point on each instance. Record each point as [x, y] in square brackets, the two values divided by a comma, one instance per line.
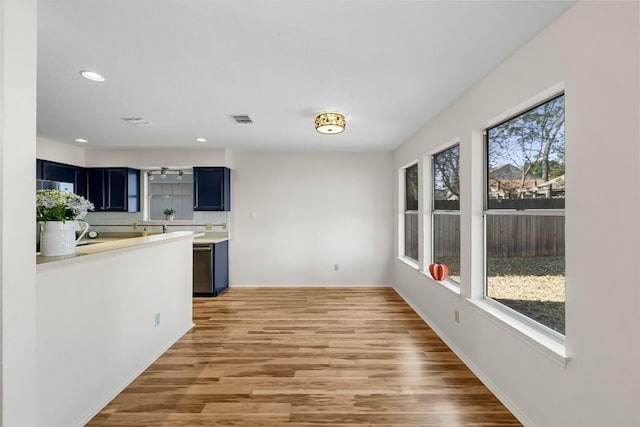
[132, 377]
[268, 285]
[502, 397]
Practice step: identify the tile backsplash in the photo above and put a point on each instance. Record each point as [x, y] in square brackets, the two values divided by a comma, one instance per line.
[124, 222]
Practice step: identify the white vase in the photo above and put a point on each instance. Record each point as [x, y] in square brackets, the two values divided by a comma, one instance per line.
[58, 238]
[169, 217]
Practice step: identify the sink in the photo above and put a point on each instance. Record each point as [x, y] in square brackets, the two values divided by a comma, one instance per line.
[86, 243]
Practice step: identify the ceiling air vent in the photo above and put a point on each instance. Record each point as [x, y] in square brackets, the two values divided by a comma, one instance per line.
[139, 121]
[241, 118]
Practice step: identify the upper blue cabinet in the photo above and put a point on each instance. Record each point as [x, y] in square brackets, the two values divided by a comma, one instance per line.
[114, 189]
[211, 189]
[61, 172]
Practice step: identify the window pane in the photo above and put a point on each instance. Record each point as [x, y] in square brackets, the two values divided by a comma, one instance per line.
[411, 235]
[446, 179]
[525, 158]
[525, 266]
[411, 188]
[446, 243]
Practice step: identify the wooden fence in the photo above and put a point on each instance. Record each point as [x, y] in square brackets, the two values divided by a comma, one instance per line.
[507, 236]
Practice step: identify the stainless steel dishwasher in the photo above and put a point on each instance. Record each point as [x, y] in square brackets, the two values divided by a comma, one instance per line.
[210, 269]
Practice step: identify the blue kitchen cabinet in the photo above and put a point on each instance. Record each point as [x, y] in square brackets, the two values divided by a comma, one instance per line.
[220, 267]
[61, 172]
[39, 168]
[211, 189]
[210, 268]
[114, 189]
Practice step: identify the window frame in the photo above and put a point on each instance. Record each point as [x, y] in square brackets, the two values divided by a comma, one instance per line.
[486, 211]
[433, 212]
[402, 205]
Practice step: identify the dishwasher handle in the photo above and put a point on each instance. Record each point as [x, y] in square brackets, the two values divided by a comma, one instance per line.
[202, 248]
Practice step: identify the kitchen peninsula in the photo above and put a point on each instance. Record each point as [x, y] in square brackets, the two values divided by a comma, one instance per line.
[104, 315]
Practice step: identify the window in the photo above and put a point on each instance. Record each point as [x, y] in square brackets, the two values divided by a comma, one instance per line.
[170, 190]
[524, 215]
[411, 212]
[445, 213]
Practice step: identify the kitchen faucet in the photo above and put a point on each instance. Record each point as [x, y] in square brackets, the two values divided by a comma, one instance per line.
[164, 228]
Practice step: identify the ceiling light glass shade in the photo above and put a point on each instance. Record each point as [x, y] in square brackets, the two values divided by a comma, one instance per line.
[92, 75]
[330, 123]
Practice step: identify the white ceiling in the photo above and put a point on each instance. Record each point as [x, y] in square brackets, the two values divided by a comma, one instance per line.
[389, 66]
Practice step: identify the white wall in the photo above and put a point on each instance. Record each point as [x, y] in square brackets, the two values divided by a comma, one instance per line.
[96, 325]
[49, 149]
[17, 226]
[593, 50]
[311, 211]
[152, 157]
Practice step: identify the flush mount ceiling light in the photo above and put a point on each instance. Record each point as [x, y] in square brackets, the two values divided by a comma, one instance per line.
[92, 75]
[201, 139]
[330, 123]
[80, 140]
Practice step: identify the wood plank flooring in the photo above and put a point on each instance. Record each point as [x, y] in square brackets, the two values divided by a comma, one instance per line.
[306, 357]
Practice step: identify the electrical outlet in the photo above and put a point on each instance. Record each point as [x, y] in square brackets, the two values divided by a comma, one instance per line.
[209, 227]
[157, 319]
[336, 267]
[456, 316]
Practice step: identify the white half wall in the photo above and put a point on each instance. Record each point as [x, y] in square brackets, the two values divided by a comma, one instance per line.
[297, 215]
[96, 324]
[593, 50]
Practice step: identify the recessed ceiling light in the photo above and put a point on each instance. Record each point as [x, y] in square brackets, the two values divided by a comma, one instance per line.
[201, 139]
[80, 140]
[92, 75]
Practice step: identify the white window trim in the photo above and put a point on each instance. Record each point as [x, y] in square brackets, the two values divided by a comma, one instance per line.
[475, 176]
[549, 342]
[448, 284]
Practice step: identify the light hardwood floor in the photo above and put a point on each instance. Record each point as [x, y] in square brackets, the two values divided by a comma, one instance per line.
[306, 357]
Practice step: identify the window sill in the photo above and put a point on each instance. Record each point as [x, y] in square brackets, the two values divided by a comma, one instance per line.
[411, 263]
[447, 284]
[547, 346]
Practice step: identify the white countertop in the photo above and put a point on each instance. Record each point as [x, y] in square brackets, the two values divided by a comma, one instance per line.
[207, 239]
[105, 244]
